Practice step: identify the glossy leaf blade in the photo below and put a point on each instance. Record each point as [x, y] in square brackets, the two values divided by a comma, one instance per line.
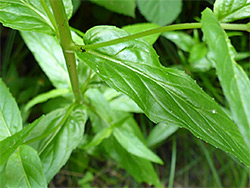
[161, 12]
[231, 10]
[24, 169]
[233, 79]
[49, 55]
[164, 94]
[10, 117]
[63, 130]
[29, 15]
[126, 7]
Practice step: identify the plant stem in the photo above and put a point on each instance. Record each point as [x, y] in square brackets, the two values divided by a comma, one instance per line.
[66, 43]
[239, 27]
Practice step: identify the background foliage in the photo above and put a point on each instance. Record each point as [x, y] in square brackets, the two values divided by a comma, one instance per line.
[108, 141]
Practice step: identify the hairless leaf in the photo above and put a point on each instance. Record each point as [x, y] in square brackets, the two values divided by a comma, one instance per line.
[65, 128]
[29, 15]
[231, 10]
[24, 169]
[10, 117]
[164, 94]
[49, 55]
[233, 79]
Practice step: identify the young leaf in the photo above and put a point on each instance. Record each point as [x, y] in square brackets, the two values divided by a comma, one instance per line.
[233, 79]
[10, 117]
[133, 145]
[141, 169]
[99, 137]
[231, 10]
[46, 96]
[160, 133]
[164, 94]
[136, 28]
[49, 55]
[29, 15]
[24, 169]
[56, 135]
[123, 132]
[126, 7]
[161, 12]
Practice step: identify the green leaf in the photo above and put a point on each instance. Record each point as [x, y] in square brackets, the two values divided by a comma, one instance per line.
[233, 79]
[160, 133]
[100, 105]
[46, 96]
[164, 94]
[29, 15]
[124, 103]
[2, 175]
[126, 7]
[141, 169]
[10, 117]
[133, 144]
[119, 101]
[231, 10]
[11, 143]
[198, 58]
[161, 12]
[49, 55]
[99, 137]
[123, 132]
[181, 39]
[24, 169]
[56, 135]
[136, 28]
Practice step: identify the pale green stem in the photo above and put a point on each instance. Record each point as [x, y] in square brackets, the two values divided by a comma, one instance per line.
[66, 43]
[239, 27]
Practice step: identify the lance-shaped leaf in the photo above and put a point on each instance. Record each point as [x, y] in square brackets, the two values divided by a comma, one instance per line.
[233, 79]
[10, 117]
[29, 15]
[164, 94]
[141, 169]
[49, 55]
[59, 133]
[24, 169]
[231, 10]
